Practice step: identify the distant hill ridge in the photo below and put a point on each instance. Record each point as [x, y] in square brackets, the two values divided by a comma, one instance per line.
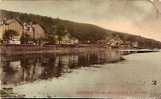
[82, 31]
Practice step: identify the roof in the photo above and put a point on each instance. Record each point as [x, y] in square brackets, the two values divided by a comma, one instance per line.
[43, 28]
[15, 19]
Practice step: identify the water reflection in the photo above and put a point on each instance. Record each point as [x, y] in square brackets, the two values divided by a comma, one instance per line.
[27, 68]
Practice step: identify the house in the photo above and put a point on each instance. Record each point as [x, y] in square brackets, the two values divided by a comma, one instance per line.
[115, 42]
[67, 39]
[135, 44]
[35, 31]
[125, 45]
[11, 24]
[1, 31]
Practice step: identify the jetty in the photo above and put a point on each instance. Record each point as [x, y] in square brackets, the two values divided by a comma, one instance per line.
[130, 51]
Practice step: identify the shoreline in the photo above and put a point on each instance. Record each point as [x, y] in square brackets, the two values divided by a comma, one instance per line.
[65, 49]
[60, 49]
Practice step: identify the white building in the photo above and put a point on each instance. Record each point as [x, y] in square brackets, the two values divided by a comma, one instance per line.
[67, 39]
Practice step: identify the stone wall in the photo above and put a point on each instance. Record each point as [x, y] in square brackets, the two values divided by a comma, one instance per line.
[29, 49]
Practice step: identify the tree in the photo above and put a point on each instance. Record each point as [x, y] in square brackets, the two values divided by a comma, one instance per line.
[25, 38]
[9, 34]
[60, 32]
[51, 39]
[41, 40]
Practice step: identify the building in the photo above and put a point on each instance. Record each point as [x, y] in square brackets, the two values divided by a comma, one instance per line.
[125, 45]
[67, 39]
[115, 43]
[11, 24]
[35, 31]
[135, 44]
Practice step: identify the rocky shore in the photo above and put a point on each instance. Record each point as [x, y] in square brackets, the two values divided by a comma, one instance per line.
[8, 93]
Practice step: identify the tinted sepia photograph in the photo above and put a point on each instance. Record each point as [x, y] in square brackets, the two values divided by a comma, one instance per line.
[80, 49]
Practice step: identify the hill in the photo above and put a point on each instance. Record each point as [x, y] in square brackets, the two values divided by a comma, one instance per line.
[82, 31]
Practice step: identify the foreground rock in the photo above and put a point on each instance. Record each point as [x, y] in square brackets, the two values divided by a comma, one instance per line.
[8, 93]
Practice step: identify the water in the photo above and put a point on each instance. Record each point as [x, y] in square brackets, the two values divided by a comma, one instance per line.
[130, 79]
[20, 69]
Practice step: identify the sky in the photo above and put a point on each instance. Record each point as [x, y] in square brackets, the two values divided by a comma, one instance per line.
[139, 17]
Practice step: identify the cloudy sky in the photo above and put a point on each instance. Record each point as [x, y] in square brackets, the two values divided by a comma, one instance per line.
[138, 17]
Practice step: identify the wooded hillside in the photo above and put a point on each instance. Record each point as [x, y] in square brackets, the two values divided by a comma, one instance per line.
[81, 31]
